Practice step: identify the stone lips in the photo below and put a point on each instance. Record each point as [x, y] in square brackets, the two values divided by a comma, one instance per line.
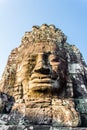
[65, 71]
[42, 82]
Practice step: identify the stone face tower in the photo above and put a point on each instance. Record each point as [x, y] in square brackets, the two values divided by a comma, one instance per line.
[44, 83]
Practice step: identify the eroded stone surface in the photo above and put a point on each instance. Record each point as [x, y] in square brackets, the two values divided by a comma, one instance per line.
[44, 82]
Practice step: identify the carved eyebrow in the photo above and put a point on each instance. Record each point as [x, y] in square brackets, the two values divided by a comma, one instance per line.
[32, 57]
[59, 57]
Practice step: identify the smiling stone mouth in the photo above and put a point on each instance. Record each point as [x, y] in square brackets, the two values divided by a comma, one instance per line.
[40, 82]
[44, 80]
[39, 76]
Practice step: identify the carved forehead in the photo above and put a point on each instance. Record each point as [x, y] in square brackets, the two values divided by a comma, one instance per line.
[43, 47]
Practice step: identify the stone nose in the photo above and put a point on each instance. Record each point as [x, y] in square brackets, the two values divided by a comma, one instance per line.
[42, 65]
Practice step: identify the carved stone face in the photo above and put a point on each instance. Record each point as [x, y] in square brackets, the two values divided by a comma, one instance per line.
[48, 73]
[36, 76]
